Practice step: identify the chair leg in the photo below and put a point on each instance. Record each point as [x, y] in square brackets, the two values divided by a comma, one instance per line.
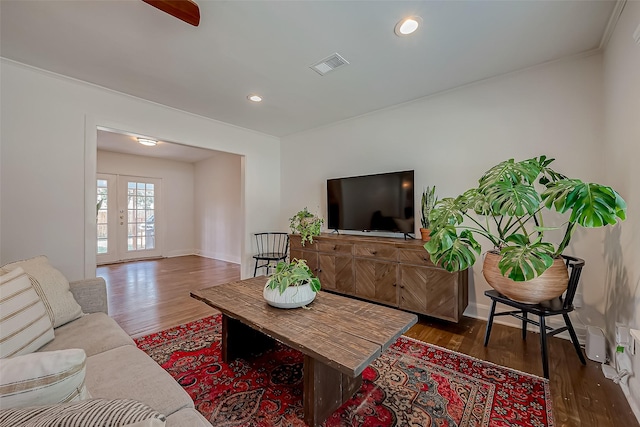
[487, 333]
[543, 347]
[255, 269]
[524, 325]
[574, 338]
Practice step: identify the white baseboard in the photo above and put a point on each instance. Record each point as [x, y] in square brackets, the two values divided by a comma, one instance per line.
[179, 252]
[481, 311]
[632, 403]
[220, 256]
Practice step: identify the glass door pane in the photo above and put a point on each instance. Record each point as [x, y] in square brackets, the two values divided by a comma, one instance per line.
[102, 219]
[141, 216]
[106, 218]
[138, 217]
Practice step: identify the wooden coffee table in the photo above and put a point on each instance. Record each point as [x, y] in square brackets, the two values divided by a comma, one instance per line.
[339, 337]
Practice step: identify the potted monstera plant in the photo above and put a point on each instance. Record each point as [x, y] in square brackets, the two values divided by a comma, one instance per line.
[306, 224]
[292, 285]
[507, 208]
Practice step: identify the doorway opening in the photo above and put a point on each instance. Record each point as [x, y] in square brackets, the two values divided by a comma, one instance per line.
[166, 200]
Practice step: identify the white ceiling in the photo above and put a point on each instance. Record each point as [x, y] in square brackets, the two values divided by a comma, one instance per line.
[119, 142]
[266, 47]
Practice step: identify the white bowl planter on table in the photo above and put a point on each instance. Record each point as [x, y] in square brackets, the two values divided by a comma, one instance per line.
[292, 297]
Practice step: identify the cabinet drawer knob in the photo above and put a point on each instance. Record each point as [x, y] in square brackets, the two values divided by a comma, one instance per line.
[374, 252]
[335, 247]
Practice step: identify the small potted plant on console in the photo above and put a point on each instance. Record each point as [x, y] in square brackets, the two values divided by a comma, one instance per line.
[306, 224]
[293, 285]
[428, 201]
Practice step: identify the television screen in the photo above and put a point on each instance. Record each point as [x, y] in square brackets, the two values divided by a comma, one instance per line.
[382, 202]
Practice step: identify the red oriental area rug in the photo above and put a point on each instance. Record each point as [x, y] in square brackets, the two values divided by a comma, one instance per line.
[411, 384]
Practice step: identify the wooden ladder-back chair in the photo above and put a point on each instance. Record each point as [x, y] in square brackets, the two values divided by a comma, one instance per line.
[272, 248]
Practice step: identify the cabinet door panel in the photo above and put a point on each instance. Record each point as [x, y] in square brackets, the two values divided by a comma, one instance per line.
[336, 272]
[376, 280]
[327, 271]
[365, 278]
[386, 276]
[413, 288]
[344, 274]
[442, 291]
[309, 256]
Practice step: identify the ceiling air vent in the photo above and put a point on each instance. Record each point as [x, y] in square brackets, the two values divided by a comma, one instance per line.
[329, 63]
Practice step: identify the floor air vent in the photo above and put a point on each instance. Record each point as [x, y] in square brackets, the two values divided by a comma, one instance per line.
[329, 63]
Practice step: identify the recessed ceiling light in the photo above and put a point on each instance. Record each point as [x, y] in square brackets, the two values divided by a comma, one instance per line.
[406, 26]
[147, 141]
[254, 98]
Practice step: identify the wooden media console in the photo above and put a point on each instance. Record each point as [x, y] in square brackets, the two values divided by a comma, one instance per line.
[390, 271]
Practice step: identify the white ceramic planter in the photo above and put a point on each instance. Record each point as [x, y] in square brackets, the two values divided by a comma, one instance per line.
[292, 297]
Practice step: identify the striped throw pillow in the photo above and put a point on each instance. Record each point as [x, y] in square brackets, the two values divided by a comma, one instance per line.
[43, 378]
[25, 325]
[92, 412]
[52, 287]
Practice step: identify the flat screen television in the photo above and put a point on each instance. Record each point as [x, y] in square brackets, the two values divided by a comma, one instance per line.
[381, 202]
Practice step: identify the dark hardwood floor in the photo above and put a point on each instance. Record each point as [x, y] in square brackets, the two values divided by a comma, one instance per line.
[149, 296]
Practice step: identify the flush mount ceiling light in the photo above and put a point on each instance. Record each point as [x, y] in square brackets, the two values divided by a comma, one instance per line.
[147, 141]
[254, 98]
[407, 26]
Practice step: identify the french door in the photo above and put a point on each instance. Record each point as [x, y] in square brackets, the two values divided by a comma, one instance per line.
[128, 218]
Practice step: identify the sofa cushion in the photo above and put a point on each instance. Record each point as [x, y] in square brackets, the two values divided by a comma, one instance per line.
[127, 372]
[187, 417]
[42, 378]
[24, 324]
[92, 412]
[94, 333]
[52, 287]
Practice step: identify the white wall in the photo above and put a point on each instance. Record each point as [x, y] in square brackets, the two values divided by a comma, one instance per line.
[218, 207]
[48, 163]
[451, 138]
[622, 152]
[178, 208]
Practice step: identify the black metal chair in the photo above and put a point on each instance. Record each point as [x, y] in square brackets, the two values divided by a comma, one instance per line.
[272, 248]
[557, 306]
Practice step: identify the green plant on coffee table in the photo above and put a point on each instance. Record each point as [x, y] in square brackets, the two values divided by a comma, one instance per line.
[509, 202]
[428, 201]
[293, 273]
[306, 224]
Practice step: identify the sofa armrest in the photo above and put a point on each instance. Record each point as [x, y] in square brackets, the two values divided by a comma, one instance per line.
[91, 294]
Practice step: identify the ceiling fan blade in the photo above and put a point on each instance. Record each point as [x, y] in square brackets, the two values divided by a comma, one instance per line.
[185, 10]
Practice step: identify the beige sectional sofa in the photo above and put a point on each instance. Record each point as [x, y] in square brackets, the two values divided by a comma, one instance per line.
[115, 367]
[65, 362]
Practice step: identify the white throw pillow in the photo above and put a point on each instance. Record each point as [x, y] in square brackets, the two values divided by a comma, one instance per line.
[92, 412]
[52, 287]
[25, 325]
[43, 378]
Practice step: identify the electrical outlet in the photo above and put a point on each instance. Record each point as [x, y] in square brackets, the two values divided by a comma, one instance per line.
[623, 336]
